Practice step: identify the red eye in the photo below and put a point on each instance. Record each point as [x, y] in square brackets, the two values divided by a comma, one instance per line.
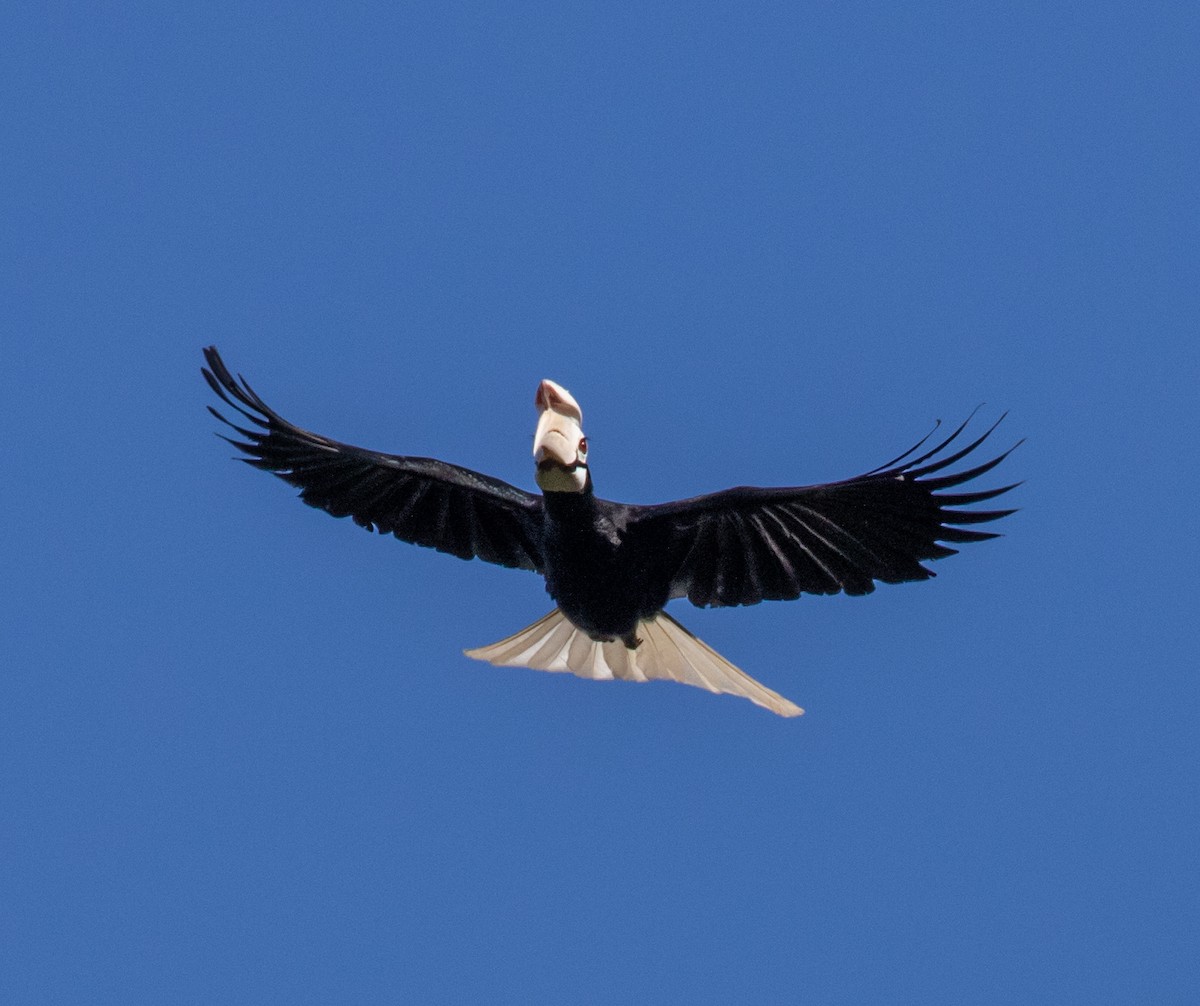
[583, 445]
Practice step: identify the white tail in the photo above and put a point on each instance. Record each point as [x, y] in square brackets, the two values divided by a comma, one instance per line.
[668, 652]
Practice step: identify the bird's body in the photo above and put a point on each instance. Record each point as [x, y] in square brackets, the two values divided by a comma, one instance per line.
[612, 567]
[593, 568]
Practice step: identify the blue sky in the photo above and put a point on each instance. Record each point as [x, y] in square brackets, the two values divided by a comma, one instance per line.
[241, 756]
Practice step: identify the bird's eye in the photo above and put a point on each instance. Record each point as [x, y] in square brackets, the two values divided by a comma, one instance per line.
[583, 445]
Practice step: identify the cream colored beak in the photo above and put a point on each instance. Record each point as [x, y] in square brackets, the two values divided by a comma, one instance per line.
[559, 447]
[556, 398]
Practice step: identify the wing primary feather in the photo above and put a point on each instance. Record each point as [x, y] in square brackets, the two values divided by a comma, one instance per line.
[973, 516]
[912, 472]
[958, 478]
[909, 466]
[242, 430]
[224, 396]
[943, 445]
[915, 447]
[965, 499]
[962, 536]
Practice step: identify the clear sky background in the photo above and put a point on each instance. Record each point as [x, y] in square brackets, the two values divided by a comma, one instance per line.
[242, 758]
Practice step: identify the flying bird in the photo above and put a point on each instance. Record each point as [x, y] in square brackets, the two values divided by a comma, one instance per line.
[612, 567]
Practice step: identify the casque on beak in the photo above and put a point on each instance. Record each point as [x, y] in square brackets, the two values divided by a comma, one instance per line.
[559, 446]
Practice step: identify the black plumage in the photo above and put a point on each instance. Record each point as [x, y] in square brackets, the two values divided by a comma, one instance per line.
[746, 545]
[612, 565]
[419, 500]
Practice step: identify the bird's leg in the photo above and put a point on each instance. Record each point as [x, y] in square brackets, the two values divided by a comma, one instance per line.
[631, 641]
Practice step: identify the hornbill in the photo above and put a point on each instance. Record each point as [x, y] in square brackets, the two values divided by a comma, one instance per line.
[612, 567]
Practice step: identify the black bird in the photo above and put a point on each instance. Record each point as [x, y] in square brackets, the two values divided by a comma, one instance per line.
[612, 567]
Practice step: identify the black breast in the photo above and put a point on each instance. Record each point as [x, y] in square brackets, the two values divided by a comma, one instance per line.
[594, 575]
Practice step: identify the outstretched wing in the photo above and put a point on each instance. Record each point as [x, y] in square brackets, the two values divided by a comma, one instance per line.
[419, 500]
[746, 545]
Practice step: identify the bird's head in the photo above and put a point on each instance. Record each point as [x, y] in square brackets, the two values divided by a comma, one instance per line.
[559, 446]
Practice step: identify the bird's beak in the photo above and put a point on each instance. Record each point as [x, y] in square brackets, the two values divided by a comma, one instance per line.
[559, 447]
[551, 395]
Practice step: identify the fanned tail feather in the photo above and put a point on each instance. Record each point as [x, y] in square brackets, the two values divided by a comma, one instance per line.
[668, 652]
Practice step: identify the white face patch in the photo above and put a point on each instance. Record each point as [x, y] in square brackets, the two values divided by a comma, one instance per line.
[561, 480]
